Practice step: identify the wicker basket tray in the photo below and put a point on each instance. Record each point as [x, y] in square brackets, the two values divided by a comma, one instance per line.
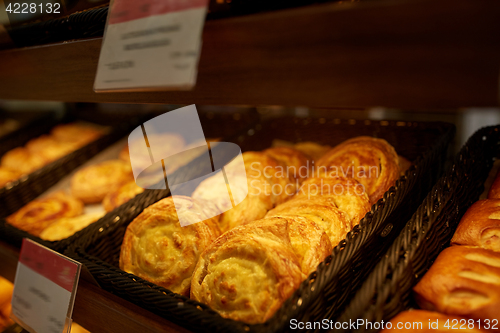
[388, 289]
[327, 289]
[41, 180]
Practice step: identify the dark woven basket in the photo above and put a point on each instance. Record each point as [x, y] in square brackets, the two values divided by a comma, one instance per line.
[388, 289]
[25, 190]
[327, 289]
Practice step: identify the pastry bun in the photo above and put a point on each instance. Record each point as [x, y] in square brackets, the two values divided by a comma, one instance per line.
[22, 160]
[68, 226]
[463, 281]
[480, 226]
[91, 184]
[156, 247]
[39, 214]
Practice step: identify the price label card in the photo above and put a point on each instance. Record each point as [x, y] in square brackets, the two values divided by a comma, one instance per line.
[44, 289]
[151, 45]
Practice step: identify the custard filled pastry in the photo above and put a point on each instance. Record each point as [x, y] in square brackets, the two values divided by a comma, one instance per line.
[372, 162]
[248, 272]
[91, 184]
[463, 281]
[347, 193]
[321, 210]
[121, 195]
[68, 226]
[39, 214]
[156, 247]
[480, 226]
[22, 160]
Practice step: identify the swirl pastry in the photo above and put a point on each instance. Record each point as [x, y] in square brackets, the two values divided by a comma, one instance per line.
[8, 175]
[39, 214]
[22, 160]
[270, 181]
[91, 184]
[68, 226]
[121, 195]
[372, 162]
[321, 210]
[78, 134]
[348, 195]
[463, 281]
[480, 226]
[248, 272]
[156, 247]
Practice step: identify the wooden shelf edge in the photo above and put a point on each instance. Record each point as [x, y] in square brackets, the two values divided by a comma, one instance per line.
[98, 310]
[418, 54]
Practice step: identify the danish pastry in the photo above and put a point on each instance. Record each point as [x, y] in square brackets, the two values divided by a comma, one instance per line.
[463, 281]
[39, 214]
[50, 148]
[371, 161]
[78, 134]
[480, 226]
[248, 272]
[315, 150]
[156, 247]
[121, 195]
[22, 160]
[68, 226]
[91, 184]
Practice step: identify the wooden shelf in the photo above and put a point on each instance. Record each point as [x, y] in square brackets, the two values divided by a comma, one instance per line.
[418, 54]
[98, 310]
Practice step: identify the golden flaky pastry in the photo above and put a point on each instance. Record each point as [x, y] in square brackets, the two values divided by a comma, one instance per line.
[68, 226]
[248, 272]
[428, 321]
[480, 226]
[321, 210]
[156, 247]
[315, 150]
[347, 193]
[121, 195]
[22, 160]
[463, 281]
[371, 161]
[39, 214]
[92, 183]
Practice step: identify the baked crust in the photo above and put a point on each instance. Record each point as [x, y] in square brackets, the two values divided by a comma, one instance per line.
[248, 272]
[347, 194]
[68, 226]
[39, 214]
[463, 281]
[121, 195]
[480, 226]
[156, 247]
[22, 160]
[91, 184]
[321, 210]
[429, 321]
[371, 161]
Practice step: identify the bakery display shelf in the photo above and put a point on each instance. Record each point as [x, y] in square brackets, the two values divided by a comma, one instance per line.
[388, 289]
[327, 289]
[414, 53]
[96, 309]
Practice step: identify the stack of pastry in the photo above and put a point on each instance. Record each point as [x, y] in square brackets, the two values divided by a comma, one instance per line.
[463, 284]
[272, 240]
[40, 151]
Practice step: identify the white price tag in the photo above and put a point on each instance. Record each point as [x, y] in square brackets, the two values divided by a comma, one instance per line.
[44, 289]
[151, 45]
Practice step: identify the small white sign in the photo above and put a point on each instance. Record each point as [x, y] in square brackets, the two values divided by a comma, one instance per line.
[44, 289]
[151, 45]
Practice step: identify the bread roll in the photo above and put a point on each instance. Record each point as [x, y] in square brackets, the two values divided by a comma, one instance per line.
[121, 195]
[68, 226]
[39, 214]
[156, 247]
[480, 226]
[373, 162]
[463, 281]
[348, 195]
[91, 184]
[321, 210]
[428, 322]
[248, 272]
